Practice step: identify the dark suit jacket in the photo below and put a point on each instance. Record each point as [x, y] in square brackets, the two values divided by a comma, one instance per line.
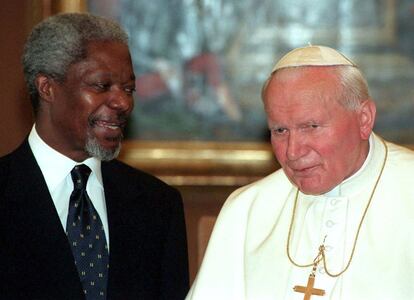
[148, 250]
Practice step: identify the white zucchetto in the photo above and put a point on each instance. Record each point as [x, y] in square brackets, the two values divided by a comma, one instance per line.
[313, 56]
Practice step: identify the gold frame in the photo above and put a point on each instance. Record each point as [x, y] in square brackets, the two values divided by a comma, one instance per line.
[201, 163]
[51, 7]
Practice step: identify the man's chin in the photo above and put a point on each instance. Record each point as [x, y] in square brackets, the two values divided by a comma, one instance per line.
[103, 151]
[310, 186]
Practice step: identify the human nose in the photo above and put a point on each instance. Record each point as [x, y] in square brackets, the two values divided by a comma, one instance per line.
[296, 147]
[121, 100]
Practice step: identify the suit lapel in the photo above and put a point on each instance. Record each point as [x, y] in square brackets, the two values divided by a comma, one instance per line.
[126, 221]
[39, 225]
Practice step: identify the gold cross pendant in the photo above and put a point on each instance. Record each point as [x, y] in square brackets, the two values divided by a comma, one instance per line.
[309, 290]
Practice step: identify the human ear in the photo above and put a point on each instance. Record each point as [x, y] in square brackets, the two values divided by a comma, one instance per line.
[367, 112]
[44, 87]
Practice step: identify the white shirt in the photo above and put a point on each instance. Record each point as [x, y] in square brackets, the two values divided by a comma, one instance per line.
[56, 169]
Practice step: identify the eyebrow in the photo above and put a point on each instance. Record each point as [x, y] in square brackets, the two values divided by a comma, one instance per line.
[305, 123]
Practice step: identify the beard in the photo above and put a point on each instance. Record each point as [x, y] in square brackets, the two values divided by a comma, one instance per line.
[94, 149]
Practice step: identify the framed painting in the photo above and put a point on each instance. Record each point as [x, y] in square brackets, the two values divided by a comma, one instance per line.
[200, 66]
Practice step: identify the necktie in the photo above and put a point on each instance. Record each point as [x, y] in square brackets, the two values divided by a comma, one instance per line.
[87, 237]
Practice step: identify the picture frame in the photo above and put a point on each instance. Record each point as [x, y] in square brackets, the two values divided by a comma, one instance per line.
[187, 161]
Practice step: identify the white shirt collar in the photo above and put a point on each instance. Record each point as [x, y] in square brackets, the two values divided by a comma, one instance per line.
[56, 166]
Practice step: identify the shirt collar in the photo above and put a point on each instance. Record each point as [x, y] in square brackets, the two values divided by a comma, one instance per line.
[56, 166]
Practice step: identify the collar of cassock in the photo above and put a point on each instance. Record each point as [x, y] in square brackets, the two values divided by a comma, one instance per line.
[365, 177]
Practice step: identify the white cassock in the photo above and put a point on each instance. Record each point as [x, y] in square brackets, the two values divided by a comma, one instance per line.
[246, 256]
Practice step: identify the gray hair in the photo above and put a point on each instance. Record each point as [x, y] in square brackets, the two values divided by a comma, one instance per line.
[60, 41]
[352, 89]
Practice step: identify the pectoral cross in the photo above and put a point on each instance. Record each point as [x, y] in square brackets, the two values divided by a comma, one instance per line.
[309, 290]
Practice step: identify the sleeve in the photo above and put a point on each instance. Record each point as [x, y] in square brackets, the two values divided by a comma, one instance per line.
[175, 277]
[221, 275]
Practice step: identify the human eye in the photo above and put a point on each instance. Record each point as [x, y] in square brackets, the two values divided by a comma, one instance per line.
[279, 131]
[101, 86]
[129, 90]
[311, 127]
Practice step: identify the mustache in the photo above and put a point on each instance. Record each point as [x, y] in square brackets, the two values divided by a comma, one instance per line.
[119, 120]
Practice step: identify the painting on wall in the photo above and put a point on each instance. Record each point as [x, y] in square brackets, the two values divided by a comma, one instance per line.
[200, 64]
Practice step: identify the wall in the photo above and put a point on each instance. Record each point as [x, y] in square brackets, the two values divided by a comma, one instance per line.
[15, 112]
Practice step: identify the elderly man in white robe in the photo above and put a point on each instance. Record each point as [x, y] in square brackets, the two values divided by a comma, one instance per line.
[336, 221]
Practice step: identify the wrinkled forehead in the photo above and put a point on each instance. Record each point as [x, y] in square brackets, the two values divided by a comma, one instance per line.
[301, 85]
[109, 59]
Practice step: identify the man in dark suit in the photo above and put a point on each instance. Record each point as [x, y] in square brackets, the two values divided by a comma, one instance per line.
[74, 222]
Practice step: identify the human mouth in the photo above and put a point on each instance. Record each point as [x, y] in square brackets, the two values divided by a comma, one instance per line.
[108, 129]
[304, 171]
[109, 124]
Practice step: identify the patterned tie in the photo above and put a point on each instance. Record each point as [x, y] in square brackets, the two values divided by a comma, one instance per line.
[87, 237]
